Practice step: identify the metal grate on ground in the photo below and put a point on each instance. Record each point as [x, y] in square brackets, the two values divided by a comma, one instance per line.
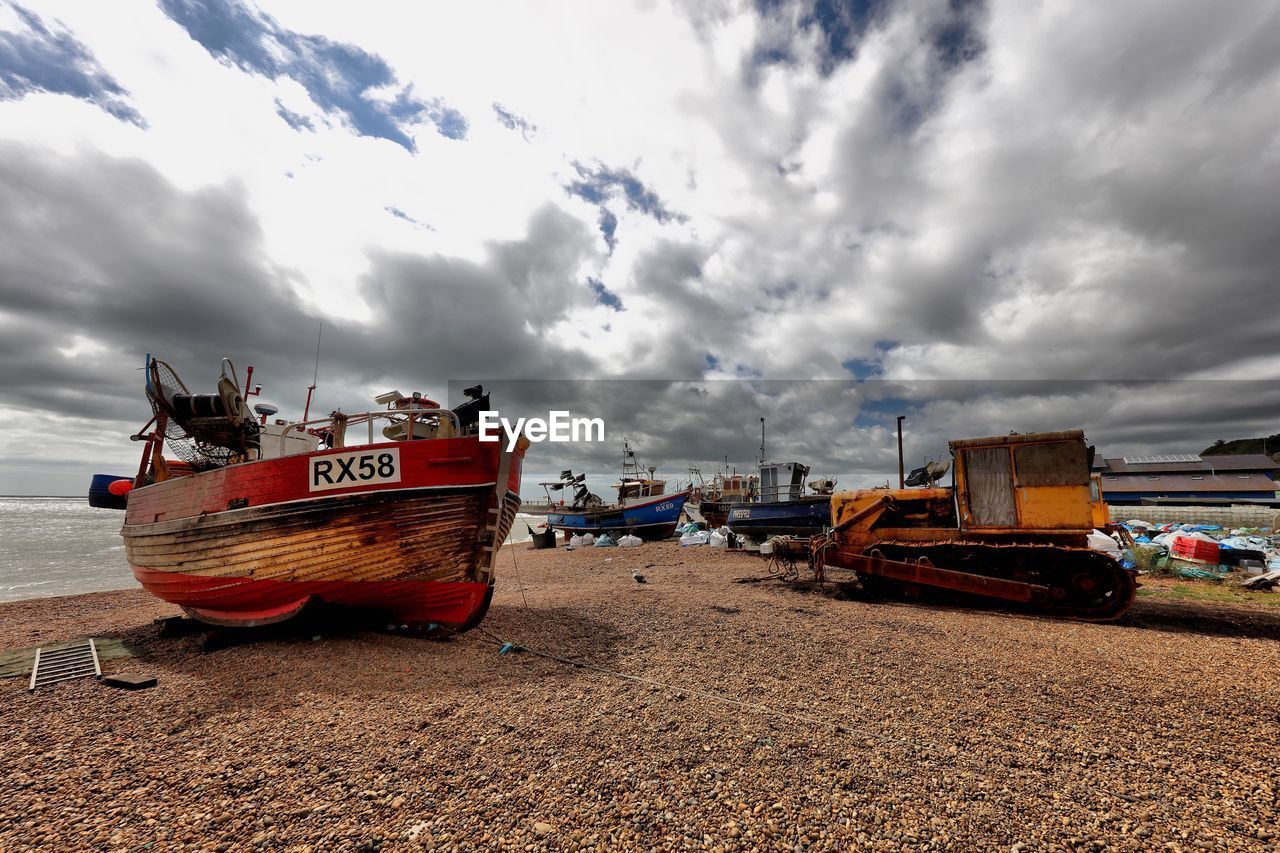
[64, 664]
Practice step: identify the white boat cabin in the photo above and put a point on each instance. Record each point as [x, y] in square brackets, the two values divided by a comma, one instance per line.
[782, 481]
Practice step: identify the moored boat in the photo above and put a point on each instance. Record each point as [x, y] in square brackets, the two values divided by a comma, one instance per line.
[772, 502]
[254, 520]
[644, 507]
[781, 508]
[652, 519]
[725, 490]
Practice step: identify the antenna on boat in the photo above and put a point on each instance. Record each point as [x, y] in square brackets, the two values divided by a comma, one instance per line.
[762, 456]
[306, 410]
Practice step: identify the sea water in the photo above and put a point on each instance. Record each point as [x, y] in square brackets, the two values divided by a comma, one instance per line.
[63, 546]
[59, 546]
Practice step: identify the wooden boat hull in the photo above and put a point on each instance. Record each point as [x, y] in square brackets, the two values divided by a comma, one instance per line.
[247, 602]
[714, 513]
[419, 549]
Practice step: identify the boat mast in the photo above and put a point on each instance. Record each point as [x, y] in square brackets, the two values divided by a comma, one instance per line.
[312, 387]
[760, 464]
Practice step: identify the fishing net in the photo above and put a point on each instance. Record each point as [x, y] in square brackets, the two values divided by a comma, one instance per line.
[202, 449]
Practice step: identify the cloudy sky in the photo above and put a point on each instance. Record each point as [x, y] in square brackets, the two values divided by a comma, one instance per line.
[991, 216]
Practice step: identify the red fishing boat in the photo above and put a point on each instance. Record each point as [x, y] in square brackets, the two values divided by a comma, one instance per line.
[400, 510]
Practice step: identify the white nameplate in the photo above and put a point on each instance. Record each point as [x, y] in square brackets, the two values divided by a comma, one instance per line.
[344, 470]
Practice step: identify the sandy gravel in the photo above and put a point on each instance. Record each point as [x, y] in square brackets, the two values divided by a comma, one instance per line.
[900, 725]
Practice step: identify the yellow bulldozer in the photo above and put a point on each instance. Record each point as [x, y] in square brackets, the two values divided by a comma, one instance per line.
[1013, 526]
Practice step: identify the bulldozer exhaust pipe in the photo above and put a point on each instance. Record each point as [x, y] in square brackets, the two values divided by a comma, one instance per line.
[902, 471]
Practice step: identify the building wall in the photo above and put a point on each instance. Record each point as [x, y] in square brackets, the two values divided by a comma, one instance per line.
[1136, 497]
[1227, 516]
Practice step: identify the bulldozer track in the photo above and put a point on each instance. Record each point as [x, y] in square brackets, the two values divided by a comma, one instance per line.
[1057, 580]
[1078, 583]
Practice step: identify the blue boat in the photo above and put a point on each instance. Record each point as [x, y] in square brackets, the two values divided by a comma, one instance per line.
[803, 517]
[653, 519]
[643, 509]
[782, 508]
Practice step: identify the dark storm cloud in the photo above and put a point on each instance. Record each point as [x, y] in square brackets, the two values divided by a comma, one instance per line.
[338, 77]
[667, 275]
[108, 251]
[103, 260]
[1134, 193]
[847, 428]
[440, 317]
[1070, 202]
[673, 269]
[44, 57]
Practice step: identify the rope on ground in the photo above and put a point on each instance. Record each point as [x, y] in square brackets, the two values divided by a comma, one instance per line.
[819, 544]
[519, 583]
[505, 647]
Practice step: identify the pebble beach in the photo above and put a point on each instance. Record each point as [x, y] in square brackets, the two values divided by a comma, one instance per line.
[711, 707]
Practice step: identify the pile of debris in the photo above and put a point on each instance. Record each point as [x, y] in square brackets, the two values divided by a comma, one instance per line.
[694, 534]
[1250, 555]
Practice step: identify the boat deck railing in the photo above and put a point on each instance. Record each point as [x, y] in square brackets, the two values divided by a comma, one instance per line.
[410, 417]
[780, 494]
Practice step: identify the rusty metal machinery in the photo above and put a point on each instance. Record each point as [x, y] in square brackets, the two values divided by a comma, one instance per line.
[1014, 526]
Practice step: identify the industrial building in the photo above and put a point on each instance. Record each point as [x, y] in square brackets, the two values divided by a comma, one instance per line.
[1188, 478]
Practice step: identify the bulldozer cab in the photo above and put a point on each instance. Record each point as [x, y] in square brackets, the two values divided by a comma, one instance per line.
[1098, 508]
[1039, 481]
